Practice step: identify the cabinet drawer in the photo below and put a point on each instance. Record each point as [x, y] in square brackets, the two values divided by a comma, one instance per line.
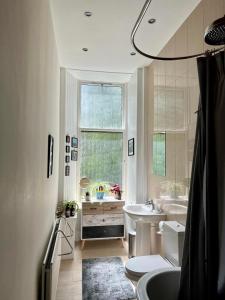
[92, 208]
[103, 220]
[103, 232]
[113, 208]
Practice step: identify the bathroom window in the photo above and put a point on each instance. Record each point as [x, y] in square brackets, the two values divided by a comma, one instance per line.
[159, 154]
[101, 132]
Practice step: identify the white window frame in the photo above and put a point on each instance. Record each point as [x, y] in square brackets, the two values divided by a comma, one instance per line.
[123, 130]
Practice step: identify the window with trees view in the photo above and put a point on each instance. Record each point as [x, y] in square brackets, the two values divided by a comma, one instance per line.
[101, 132]
[159, 154]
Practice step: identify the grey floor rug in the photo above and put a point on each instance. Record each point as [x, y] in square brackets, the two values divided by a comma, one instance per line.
[104, 279]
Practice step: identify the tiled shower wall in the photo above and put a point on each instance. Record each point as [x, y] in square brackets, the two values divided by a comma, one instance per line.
[175, 101]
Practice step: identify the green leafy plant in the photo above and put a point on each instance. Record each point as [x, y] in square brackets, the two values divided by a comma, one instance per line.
[75, 205]
[59, 209]
[66, 204]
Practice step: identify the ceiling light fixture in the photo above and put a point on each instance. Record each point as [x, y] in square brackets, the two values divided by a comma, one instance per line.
[88, 13]
[132, 53]
[85, 49]
[151, 21]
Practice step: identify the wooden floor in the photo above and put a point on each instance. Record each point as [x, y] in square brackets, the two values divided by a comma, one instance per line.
[70, 277]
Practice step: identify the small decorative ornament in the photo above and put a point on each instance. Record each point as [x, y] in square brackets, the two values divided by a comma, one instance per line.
[131, 147]
[67, 149]
[67, 171]
[74, 142]
[100, 192]
[74, 155]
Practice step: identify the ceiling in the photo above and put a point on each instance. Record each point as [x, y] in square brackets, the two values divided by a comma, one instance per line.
[106, 33]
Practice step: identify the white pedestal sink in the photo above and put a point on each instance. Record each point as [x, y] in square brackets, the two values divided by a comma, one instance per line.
[146, 221]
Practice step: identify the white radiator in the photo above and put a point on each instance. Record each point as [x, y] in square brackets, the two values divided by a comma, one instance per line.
[52, 259]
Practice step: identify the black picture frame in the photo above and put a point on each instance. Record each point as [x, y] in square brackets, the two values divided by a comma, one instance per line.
[67, 149]
[67, 170]
[74, 155]
[131, 147]
[67, 138]
[50, 155]
[74, 142]
[67, 158]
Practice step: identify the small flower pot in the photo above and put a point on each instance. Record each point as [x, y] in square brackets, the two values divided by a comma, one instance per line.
[72, 212]
[67, 212]
[100, 195]
[117, 195]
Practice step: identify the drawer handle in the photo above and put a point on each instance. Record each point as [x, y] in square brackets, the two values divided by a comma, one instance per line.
[93, 207]
[113, 207]
[103, 220]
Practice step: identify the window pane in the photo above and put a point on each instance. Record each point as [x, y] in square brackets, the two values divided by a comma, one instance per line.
[101, 156]
[159, 154]
[101, 106]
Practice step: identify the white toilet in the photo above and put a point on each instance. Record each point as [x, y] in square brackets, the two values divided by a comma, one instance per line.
[173, 240]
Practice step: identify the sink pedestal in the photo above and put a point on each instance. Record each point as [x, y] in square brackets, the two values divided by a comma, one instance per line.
[143, 238]
[146, 227]
[147, 240]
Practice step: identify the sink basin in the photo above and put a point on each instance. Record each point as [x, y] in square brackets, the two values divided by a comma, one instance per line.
[143, 213]
[162, 284]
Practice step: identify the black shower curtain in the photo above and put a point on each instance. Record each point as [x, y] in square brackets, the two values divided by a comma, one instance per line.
[203, 266]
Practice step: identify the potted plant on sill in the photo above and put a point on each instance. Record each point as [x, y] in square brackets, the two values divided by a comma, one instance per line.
[74, 207]
[115, 189]
[67, 208]
[100, 189]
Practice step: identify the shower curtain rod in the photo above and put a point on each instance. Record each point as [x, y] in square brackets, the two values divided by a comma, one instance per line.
[136, 26]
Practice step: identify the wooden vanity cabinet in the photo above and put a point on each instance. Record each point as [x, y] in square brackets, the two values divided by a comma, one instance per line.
[102, 220]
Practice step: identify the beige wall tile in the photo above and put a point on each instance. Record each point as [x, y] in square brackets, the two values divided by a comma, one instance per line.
[170, 79]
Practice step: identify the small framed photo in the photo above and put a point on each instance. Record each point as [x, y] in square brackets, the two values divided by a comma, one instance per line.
[50, 155]
[67, 170]
[131, 147]
[67, 138]
[74, 142]
[67, 149]
[74, 155]
[67, 158]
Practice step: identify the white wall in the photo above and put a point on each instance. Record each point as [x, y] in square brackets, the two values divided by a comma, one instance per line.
[68, 185]
[29, 111]
[68, 126]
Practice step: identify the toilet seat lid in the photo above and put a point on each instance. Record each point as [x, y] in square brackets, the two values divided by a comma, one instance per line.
[140, 265]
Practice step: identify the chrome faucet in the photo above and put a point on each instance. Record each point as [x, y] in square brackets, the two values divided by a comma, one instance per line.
[149, 203]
